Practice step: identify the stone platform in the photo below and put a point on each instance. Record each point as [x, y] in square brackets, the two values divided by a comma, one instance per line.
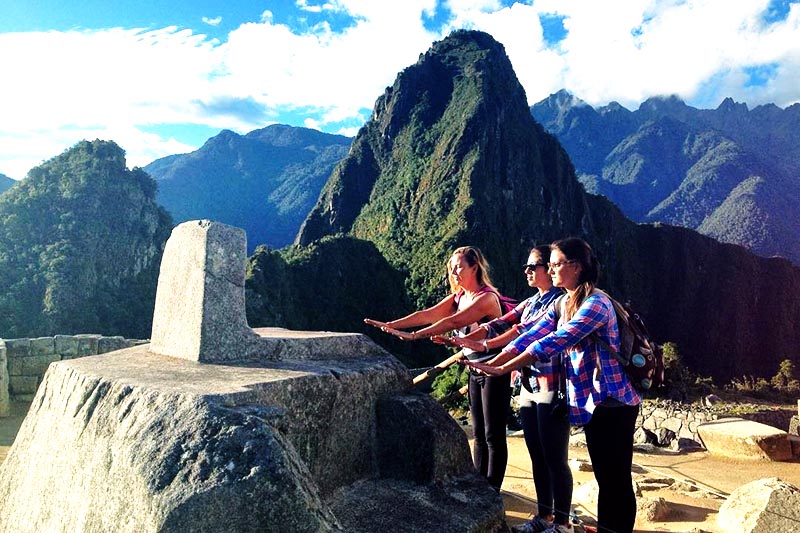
[215, 427]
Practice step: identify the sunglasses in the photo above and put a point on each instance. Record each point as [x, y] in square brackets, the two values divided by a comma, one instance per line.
[532, 266]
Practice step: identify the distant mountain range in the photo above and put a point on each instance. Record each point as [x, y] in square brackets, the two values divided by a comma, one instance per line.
[5, 183]
[264, 182]
[730, 173]
[451, 156]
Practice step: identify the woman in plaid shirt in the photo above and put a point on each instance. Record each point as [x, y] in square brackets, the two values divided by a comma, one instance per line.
[600, 397]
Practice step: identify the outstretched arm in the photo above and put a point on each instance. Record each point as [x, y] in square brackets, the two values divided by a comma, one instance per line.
[484, 305]
[444, 308]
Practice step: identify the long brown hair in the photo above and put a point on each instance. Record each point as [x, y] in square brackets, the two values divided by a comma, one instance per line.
[472, 256]
[578, 250]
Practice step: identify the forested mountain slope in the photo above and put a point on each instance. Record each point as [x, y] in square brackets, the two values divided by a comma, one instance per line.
[452, 156]
[81, 240]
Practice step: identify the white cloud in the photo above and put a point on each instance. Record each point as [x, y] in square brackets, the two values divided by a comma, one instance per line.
[212, 21]
[61, 87]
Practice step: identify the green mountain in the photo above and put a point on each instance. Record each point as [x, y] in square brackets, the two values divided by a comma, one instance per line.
[452, 156]
[81, 240]
[5, 183]
[669, 162]
[264, 182]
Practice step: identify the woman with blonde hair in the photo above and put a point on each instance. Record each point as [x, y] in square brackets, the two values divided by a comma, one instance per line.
[546, 433]
[472, 301]
[583, 325]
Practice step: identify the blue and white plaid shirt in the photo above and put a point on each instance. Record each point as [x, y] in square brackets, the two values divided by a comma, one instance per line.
[593, 373]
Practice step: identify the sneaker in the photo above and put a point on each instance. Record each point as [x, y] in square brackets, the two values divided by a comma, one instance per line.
[535, 525]
[559, 528]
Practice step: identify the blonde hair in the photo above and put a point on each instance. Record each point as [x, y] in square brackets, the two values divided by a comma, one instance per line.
[472, 256]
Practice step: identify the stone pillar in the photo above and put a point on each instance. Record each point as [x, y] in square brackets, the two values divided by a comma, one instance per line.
[200, 308]
[5, 406]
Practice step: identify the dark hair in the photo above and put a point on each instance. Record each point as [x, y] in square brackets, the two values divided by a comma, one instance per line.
[543, 250]
[575, 249]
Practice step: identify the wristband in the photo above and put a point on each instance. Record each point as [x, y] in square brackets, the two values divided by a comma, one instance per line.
[485, 347]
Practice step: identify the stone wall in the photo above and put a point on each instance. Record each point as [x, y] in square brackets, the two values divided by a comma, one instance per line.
[26, 360]
[674, 425]
[4, 401]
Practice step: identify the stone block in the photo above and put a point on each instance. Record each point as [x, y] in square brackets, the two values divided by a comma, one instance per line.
[36, 365]
[66, 346]
[43, 346]
[87, 344]
[22, 385]
[744, 439]
[293, 445]
[18, 347]
[5, 404]
[794, 426]
[673, 424]
[110, 344]
[416, 447]
[15, 366]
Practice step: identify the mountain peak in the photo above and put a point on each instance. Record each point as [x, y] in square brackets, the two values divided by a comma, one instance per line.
[453, 128]
[663, 105]
[728, 105]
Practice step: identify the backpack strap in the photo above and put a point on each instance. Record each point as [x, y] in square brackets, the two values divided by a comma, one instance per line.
[488, 288]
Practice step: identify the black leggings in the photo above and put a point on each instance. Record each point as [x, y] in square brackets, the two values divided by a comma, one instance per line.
[489, 398]
[609, 439]
[547, 440]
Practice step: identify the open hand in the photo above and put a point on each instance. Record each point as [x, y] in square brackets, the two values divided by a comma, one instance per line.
[402, 335]
[442, 339]
[376, 323]
[486, 369]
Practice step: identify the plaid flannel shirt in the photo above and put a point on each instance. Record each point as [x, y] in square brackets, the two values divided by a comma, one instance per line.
[522, 318]
[587, 383]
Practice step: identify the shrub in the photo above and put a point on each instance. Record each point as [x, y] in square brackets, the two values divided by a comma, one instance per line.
[446, 386]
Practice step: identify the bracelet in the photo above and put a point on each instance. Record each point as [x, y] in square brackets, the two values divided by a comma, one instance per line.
[485, 347]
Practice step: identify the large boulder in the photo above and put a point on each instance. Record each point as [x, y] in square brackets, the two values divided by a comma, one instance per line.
[286, 431]
[738, 438]
[761, 506]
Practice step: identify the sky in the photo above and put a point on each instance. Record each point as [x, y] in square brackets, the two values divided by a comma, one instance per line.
[160, 78]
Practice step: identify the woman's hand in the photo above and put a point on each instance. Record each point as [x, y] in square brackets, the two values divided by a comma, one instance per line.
[402, 335]
[443, 339]
[475, 346]
[486, 369]
[376, 323]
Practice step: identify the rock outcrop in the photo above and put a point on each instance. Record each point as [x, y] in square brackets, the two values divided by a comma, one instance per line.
[744, 439]
[318, 432]
[764, 505]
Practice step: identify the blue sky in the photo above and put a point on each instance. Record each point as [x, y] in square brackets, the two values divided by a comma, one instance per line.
[160, 78]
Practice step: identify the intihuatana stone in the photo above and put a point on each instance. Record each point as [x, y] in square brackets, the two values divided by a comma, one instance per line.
[199, 310]
[287, 431]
